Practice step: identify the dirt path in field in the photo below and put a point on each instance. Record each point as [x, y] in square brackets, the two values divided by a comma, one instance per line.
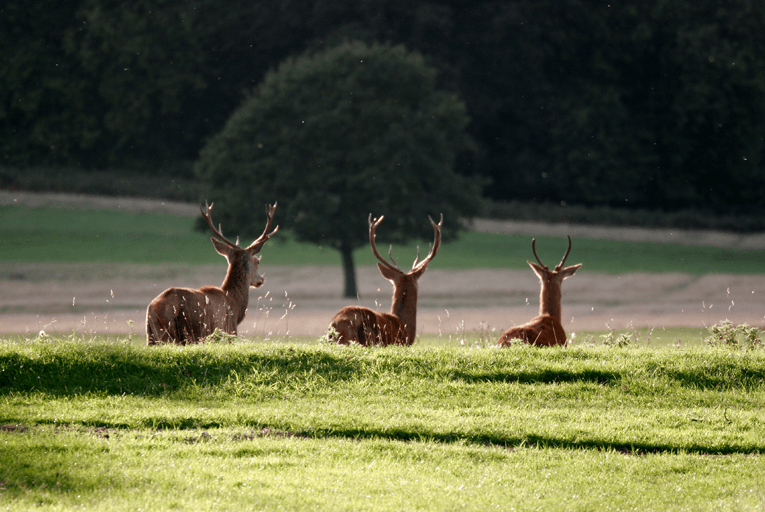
[107, 298]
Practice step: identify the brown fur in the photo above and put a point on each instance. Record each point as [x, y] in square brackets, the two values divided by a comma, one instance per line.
[184, 315]
[355, 324]
[545, 330]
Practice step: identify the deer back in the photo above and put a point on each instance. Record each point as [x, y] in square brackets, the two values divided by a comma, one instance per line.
[184, 315]
[355, 324]
[542, 331]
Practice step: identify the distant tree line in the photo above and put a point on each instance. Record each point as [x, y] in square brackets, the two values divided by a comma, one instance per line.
[638, 103]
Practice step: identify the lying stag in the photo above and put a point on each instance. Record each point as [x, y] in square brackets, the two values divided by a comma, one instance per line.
[546, 329]
[184, 315]
[355, 324]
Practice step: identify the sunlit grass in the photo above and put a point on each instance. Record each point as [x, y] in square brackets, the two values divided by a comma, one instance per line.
[102, 423]
[242, 469]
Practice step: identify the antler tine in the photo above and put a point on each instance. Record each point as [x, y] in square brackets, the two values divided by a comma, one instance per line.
[372, 236]
[417, 259]
[206, 214]
[560, 265]
[390, 255]
[534, 248]
[262, 239]
[433, 247]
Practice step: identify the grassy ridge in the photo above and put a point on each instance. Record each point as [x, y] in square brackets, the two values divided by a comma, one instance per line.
[436, 393]
[264, 426]
[60, 235]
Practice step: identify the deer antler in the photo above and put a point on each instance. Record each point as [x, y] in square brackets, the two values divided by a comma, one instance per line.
[262, 239]
[434, 246]
[206, 214]
[560, 265]
[372, 236]
[534, 248]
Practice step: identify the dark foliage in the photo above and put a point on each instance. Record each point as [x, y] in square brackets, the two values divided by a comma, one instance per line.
[640, 104]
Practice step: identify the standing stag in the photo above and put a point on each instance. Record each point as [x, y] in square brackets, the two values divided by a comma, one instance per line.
[184, 315]
[546, 329]
[355, 324]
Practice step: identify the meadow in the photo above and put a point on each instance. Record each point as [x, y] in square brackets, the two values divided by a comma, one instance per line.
[610, 423]
[79, 236]
[89, 424]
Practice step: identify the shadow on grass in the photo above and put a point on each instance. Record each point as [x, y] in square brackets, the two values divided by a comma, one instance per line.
[542, 442]
[711, 377]
[120, 371]
[114, 370]
[198, 434]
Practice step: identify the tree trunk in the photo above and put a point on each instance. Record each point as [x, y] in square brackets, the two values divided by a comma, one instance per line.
[349, 272]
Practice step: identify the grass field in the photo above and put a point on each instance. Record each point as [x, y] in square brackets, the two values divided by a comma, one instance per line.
[60, 235]
[106, 423]
[90, 424]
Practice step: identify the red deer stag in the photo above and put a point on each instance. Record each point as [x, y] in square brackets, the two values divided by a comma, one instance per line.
[546, 329]
[183, 315]
[355, 324]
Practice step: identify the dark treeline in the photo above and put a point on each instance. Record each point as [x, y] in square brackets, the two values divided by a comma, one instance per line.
[640, 103]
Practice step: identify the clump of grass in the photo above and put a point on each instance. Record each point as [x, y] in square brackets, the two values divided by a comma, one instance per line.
[331, 336]
[218, 336]
[741, 336]
[487, 337]
[614, 339]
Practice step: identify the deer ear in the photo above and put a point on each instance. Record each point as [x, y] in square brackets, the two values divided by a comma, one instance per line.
[538, 270]
[387, 272]
[222, 248]
[569, 271]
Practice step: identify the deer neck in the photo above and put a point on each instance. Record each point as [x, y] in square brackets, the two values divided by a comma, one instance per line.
[549, 299]
[237, 288]
[404, 306]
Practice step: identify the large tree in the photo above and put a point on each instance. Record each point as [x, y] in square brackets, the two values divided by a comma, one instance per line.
[337, 135]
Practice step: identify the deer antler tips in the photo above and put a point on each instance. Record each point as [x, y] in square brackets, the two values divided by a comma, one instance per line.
[440, 222]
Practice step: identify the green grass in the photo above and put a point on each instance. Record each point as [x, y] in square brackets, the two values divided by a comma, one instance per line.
[660, 337]
[281, 426]
[60, 235]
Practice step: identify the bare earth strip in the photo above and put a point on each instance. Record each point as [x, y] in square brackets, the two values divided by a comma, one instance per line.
[108, 298]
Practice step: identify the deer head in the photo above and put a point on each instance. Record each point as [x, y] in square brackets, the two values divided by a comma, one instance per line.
[550, 280]
[390, 270]
[237, 257]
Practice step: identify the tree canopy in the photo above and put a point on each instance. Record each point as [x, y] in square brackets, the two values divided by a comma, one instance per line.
[337, 135]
